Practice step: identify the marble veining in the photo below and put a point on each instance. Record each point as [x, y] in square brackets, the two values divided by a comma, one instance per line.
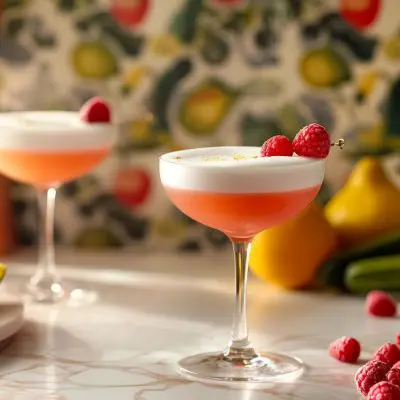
[127, 345]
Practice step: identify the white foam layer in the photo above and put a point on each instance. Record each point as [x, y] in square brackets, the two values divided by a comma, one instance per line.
[52, 130]
[238, 170]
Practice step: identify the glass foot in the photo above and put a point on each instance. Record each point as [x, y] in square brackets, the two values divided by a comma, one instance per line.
[57, 292]
[264, 368]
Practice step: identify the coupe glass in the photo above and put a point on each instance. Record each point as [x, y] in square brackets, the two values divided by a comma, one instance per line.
[46, 149]
[240, 195]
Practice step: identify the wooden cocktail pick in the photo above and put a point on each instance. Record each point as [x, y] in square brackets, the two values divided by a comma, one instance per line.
[339, 143]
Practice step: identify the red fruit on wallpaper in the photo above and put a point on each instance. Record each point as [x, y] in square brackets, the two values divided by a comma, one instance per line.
[227, 2]
[132, 186]
[130, 13]
[360, 13]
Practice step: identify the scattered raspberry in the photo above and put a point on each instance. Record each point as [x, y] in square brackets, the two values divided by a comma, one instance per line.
[384, 391]
[397, 365]
[369, 374]
[278, 145]
[312, 141]
[96, 110]
[388, 353]
[346, 349]
[398, 339]
[393, 376]
[380, 304]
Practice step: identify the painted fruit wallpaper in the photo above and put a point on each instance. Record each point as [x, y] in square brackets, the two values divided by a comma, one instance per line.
[189, 73]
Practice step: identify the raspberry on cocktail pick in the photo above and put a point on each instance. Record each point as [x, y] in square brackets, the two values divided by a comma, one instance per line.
[96, 111]
[314, 141]
[278, 145]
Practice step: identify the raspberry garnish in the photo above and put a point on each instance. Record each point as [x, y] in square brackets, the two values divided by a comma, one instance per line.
[380, 304]
[346, 349]
[278, 145]
[389, 353]
[369, 374]
[312, 141]
[96, 111]
[398, 339]
[384, 391]
[393, 376]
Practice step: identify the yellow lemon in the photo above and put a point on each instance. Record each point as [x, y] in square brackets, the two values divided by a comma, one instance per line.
[3, 271]
[367, 206]
[288, 255]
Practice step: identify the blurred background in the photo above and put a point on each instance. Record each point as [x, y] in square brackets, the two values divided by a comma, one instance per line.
[190, 73]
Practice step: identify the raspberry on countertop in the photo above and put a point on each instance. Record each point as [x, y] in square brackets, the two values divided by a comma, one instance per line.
[384, 391]
[345, 349]
[369, 374]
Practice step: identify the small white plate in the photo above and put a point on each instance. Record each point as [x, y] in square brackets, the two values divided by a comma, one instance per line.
[11, 316]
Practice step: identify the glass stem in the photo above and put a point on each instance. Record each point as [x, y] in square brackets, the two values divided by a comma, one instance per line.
[46, 236]
[240, 346]
[45, 285]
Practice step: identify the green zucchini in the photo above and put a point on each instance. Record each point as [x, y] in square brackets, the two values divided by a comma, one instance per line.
[332, 271]
[381, 273]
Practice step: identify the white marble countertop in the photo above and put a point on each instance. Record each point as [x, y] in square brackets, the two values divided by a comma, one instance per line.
[156, 309]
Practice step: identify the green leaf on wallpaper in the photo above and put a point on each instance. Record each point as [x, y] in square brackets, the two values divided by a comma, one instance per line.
[40, 34]
[216, 238]
[164, 90]
[361, 45]
[131, 43]
[356, 154]
[14, 26]
[83, 24]
[184, 23]
[319, 109]
[66, 5]
[256, 129]
[295, 8]
[190, 246]
[139, 135]
[261, 88]
[43, 40]
[392, 111]
[236, 22]
[325, 194]
[13, 52]
[98, 19]
[291, 119]
[13, 3]
[213, 47]
[97, 238]
[135, 227]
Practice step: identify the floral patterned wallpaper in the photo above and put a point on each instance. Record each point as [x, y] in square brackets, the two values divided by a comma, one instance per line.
[189, 73]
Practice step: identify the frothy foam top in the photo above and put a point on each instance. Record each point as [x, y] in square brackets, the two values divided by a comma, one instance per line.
[238, 170]
[52, 130]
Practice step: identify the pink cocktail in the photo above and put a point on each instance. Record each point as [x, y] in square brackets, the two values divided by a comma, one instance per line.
[240, 215]
[46, 149]
[235, 191]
